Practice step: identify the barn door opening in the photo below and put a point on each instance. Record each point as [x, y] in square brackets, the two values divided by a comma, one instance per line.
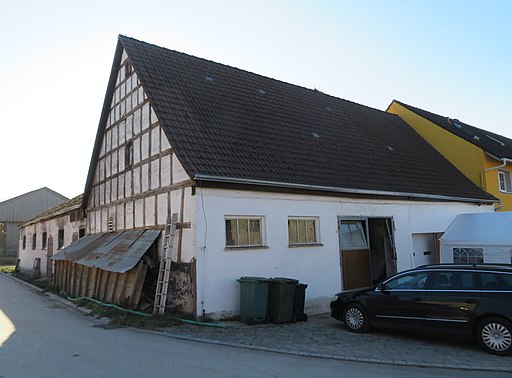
[367, 251]
[382, 248]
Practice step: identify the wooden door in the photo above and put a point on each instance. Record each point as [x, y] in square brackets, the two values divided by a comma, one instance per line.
[354, 254]
[356, 268]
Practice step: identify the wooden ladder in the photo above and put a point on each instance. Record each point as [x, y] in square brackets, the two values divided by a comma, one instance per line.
[162, 284]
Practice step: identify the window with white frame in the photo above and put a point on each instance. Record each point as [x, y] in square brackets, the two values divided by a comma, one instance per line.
[504, 180]
[244, 231]
[302, 230]
[468, 255]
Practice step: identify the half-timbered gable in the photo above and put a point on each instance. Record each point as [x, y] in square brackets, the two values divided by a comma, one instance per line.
[137, 178]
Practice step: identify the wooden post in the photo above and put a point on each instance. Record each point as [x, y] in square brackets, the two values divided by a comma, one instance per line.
[180, 235]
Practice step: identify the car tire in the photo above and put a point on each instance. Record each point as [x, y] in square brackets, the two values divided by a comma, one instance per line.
[495, 335]
[356, 318]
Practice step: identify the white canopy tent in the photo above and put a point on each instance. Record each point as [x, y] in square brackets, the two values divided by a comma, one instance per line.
[478, 238]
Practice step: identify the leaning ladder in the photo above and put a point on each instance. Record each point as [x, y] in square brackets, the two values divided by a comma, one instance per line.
[162, 283]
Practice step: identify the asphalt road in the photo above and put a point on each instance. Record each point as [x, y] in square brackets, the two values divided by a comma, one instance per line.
[41, 337]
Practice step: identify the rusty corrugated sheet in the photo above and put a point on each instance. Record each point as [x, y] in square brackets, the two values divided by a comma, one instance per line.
[113, 251]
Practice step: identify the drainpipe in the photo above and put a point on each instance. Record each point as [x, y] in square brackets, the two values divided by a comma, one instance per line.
[504, 162]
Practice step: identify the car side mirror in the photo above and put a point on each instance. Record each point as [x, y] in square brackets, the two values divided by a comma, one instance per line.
[383, 288]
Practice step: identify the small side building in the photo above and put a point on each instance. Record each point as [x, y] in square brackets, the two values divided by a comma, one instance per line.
[18, 210]
[49, 232]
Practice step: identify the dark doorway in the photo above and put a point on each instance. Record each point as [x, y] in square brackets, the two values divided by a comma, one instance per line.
[382, 251]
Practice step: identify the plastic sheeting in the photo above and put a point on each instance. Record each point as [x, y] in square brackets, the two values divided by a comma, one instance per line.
[490, 232]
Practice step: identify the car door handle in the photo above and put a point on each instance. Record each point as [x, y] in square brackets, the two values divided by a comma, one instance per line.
[416, 299]
[471, 300]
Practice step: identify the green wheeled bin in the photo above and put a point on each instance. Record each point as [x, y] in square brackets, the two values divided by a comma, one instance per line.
[253, 299]
[281, 296]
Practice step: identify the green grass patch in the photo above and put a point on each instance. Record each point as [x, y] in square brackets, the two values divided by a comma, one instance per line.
[7, 268]
[8, 264]
[122, 318]
[42, 283]
[154, 322]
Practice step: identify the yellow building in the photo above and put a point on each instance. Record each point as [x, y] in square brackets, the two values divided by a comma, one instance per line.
[483, 156]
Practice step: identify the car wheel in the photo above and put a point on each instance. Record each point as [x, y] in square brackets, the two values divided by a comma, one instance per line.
[356, 318]
[495, 335]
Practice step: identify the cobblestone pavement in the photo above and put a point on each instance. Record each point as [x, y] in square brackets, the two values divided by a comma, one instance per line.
[324, 337]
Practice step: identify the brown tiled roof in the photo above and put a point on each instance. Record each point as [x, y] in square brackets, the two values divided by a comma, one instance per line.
[495, 144]
[229, 123]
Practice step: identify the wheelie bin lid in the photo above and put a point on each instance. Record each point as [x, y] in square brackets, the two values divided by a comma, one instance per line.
[284, 280]
[253, 279]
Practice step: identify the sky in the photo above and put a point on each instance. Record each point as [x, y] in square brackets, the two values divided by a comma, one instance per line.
[450, 57]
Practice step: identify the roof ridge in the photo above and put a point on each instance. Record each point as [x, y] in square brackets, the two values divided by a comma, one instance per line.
[493, 143]
[77, 200]
[44, 188]
[454, 119]
[223, 121]
[314, 90]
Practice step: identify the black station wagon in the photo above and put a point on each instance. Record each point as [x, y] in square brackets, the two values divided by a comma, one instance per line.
[464, 300]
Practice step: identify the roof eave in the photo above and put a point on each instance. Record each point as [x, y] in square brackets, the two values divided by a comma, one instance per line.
[50, 216]
[103, 120]
[423, 196]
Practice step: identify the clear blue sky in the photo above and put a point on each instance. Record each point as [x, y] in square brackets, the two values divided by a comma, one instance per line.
[451, 57]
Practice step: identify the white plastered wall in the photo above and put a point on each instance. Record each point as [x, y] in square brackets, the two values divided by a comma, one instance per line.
[51, 227]
[218, 268]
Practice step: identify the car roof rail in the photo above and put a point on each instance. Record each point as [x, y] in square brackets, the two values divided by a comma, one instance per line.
[462, 265]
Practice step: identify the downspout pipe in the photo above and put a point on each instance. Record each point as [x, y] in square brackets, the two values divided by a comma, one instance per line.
[504, 162]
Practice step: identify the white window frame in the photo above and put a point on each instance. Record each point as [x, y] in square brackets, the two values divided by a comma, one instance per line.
[468, 255]
[504, 181]
[249, 218]
[316, 221]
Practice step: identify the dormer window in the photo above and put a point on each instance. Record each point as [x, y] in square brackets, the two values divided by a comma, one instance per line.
[504, 180]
